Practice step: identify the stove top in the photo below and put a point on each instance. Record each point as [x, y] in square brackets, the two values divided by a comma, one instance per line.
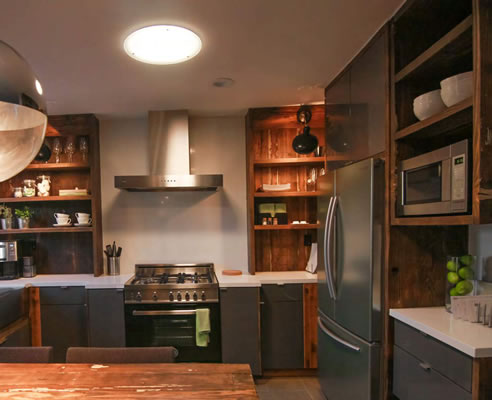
[163, 283]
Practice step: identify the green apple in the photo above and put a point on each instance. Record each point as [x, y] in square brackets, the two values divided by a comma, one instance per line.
[451, 266]
[466, 260]
[464, 287]
[465, 273]
[453, 292]
[453, 278]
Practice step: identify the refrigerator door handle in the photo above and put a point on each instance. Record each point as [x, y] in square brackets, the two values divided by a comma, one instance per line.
[331, 234]
[335, 337]
[327, 263]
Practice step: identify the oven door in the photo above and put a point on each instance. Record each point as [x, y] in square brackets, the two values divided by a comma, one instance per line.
[434, 183]
[173, 325]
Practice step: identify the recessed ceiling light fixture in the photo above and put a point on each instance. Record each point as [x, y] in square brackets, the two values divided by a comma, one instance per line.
[162, 44]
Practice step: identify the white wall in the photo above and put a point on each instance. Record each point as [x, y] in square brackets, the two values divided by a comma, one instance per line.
[176, 227]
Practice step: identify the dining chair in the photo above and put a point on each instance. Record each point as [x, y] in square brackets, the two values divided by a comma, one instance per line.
[121, 355]
[26, 354]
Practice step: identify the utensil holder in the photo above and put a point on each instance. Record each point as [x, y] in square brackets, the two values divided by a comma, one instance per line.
[113, 265]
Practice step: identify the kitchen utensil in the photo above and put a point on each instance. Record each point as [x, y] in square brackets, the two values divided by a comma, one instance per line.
[457, 88]
[118, 252]
[428, 104]
[106, 252]
[232, 272]
[113, 251]
[109, 250]
[113, 265]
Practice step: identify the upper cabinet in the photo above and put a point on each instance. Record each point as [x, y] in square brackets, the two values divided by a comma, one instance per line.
[431, 42]
[355, 103]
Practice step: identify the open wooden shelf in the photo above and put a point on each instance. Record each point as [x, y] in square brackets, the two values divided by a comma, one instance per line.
[278, 162]
[455, 116]
[68, 229]
[58, 166]
[447, 51]
[287, 194]
[40, 199]
[436, 221]
[285, 227]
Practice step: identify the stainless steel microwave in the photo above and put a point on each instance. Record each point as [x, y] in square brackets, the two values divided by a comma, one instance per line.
[435, 183]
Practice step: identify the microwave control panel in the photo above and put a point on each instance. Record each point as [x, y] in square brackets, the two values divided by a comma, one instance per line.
[459, 178]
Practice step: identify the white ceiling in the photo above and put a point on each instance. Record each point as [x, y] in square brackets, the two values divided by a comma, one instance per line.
[278, 51]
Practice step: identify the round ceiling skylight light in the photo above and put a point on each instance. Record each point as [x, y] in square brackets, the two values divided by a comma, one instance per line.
[162, 44]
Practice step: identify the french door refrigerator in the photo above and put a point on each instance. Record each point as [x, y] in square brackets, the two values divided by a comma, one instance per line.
[350, 259]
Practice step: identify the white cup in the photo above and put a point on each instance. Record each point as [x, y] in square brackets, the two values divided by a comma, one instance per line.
[63, 221]
[60, 215]
[83, 218]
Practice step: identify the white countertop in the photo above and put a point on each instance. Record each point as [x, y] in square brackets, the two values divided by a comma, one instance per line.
[88, 280]
[247, 280]
[469, 338]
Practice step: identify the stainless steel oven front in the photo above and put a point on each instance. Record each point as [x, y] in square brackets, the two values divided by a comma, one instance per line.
[435, 183]
[173, 325]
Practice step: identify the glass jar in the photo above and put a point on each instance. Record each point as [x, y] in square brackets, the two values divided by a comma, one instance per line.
[460, 277]
[29, 189]
[18, 192]
[43, 184]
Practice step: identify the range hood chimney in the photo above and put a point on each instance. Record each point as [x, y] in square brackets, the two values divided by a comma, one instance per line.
[169, 157]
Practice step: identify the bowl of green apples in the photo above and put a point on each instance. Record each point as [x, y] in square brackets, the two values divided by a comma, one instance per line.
[460, 277]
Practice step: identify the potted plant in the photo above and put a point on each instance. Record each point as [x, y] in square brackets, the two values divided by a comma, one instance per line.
[5, 217]
[23, 217]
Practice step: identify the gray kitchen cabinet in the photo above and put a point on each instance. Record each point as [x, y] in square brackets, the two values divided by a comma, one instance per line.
[426, 369]
[63, 319]
[282, 333]
[106, 317]
[240, 326]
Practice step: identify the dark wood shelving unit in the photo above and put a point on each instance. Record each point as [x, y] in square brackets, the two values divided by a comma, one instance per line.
[68, 229]
[285, 227]
[43, 199]
[439, 221]
[81, 250]
[58, 166]
[453, 117]
[287, 194]
[271, 160]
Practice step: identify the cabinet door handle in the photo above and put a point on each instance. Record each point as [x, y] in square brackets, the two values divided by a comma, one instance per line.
[425, 366]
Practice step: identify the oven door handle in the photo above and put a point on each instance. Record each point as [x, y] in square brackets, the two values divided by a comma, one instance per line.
[138, 313]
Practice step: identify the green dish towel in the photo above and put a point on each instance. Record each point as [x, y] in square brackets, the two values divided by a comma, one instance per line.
[202, 327]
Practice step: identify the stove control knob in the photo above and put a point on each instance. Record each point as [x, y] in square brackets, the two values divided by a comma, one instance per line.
[195, 296]
[138, 296]
[187, 296]
[154, 296]
[179, 296]
[203, 296]
[171, 296]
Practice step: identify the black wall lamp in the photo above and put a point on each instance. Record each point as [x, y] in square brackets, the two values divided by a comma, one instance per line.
[304, 143]
[22, 113]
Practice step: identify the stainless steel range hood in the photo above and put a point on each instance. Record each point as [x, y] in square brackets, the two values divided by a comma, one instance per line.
[169, 156]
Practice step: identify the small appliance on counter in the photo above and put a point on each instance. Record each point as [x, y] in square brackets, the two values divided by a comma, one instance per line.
[11, 254]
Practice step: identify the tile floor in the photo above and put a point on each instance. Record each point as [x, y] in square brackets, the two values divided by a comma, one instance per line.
[289, 388]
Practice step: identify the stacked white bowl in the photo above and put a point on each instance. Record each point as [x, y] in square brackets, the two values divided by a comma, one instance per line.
[453, 90]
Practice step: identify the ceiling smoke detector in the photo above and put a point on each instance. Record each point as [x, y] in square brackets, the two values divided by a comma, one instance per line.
[223, 82]
[162, 44]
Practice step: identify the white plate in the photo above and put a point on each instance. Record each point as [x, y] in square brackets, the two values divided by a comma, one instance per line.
[62, 224]
[76, 224]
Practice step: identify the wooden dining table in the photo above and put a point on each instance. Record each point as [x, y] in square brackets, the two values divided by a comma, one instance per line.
[126, 381]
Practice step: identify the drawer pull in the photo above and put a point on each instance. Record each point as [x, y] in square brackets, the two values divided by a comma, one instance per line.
[425, 366]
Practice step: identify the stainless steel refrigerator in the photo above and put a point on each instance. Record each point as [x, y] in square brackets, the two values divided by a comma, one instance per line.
[350, 259]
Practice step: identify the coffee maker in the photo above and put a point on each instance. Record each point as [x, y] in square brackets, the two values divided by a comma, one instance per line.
[11, 253]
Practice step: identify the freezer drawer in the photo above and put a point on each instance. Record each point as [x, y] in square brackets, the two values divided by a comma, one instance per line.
[413, 379]
[348, 367]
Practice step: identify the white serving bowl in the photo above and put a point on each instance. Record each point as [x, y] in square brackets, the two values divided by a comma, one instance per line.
[457, 88]
[428, 104]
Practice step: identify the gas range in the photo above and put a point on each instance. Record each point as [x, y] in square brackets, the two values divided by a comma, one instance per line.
[172, 283]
